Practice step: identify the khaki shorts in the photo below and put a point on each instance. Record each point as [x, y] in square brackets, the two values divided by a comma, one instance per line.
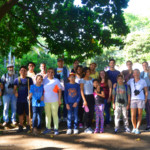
[137, 104]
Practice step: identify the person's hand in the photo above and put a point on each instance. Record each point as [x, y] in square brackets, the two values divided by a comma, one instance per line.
[113, 106]
[59, 102]
[115, 84]
[128, 107]
[85, 103]
[109, 100]
[42, 98]
[145, 101]
[75, 104]
[16, 94]
[67, 106]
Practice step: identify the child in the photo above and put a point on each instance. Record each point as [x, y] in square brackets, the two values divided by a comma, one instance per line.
[121, 103]
[36, 92]
[72, 98]
[99, 105]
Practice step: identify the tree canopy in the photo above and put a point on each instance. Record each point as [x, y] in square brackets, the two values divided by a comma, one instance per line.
[79, 32]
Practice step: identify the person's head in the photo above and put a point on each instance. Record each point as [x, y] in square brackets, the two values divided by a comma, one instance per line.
[112, 63]
[86, 71]
[43, 67]
[95, 83]
[60, 62]
[93, 66]
[79, 69]
[120, 79]
[136, 74]
[103, 75]
[31, 66]
[129, 64]
[72, 77]
[50, 73]
[39, 79]
[23, 71]
[75, 64]
[145, 65]
[10, 68]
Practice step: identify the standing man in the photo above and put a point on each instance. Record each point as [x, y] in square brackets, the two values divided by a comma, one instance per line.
[21, 89]
[144, 73]
[62, 73]
[112, 72]
[8, 95]
[94, 74]
[75, 64]
[31, 72]
[43, 70]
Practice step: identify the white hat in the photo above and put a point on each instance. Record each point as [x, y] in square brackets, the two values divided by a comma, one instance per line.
[10, 65]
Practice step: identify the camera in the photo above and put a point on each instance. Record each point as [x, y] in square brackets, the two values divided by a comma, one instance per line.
[38, 101]
[121, 101]
[10, 86]
[136, 92]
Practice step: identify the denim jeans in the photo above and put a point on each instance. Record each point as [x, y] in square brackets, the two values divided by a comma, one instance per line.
[107, 111]
[37, 116]
[74, 111]
[7, 99]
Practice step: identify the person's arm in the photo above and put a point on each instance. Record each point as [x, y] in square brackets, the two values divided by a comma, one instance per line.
[82, 94]
[59, 97]
[110, 91]
[113, 98]
[102, 94]
[15, 90]
[129, 100]
[78, 98]
[146, 94]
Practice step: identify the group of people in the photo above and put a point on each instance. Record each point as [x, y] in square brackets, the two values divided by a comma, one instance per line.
[83, 92]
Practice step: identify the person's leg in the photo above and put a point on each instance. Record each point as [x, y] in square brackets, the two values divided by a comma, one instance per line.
[80, 111]
[148, 113]
[101, 109]
[6, 102]
[133, 117]
[64, 107]
[39, 117]
[13, 107]
[125, 117]
[21, 120]
[34, 118]
[140, 110]
[97, 115]
[69, 116]
[117, 116]
[107, 112]
[76, 117]
[48, 115]
[54, 109]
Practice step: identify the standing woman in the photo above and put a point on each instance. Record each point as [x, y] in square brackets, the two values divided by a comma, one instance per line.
[52, 100]
[79, 74]
[86, 85]
[106, 84]
[138, 99]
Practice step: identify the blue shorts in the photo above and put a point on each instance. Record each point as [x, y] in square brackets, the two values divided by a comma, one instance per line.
[22, 107]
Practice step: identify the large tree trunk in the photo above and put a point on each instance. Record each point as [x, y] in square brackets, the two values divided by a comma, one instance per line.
[6, 7]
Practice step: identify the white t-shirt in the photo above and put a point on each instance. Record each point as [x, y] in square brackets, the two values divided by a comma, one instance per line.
[77, 80]
[137, 86]
[51, 88]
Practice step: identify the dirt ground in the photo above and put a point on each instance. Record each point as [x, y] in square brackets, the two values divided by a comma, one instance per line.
[11, 140]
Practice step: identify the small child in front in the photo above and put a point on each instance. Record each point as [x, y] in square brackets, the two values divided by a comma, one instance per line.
[72, 98]
[121, 103]
[36, 92]
[99, 106]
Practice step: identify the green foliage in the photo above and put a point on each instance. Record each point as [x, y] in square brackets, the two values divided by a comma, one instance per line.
[76, 32]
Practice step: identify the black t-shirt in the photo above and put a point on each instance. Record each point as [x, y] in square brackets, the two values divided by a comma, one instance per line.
[98, 99]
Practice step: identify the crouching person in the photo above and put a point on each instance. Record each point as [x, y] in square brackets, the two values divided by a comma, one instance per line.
[72, 98]
[36, 92]
[121, 103]
[21, 88]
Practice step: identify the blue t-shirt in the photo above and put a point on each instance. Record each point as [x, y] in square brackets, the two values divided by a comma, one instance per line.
[112, 75]
[37, 92]
[72, 93]
[22, 89]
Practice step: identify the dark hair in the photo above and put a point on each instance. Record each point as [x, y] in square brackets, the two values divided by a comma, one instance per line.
[79, 66]
[75, 60]
[129, 61]
[145, 62]
[24, 67]
[112, 60]
[96, 80]
[106, 77]
[31, 63]
[39, 76]
[120, 76]
[43, 64]
[50, 69]
[85, 69]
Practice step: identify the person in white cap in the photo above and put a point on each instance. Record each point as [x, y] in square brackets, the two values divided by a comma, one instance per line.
[8, 95]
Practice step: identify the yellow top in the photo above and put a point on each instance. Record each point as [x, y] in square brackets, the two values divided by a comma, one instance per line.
[95, 75]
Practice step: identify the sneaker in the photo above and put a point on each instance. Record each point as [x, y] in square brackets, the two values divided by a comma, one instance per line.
[116, 131]
[102, 130]
[27, 128]
[5, 124]
[69, 131]
[80, 125]
[20, 129]
[147, 128]
[133, 130]
[137, 131]
[75, 131]
[14, 123]
[56, 132]
[35, 131]
[96, 131]
[127, 130]
[88, 130]
[47, 131]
